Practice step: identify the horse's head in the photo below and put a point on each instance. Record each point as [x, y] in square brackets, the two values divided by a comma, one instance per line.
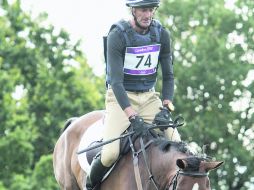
[193, 173]
[175, 167]
[157, 163]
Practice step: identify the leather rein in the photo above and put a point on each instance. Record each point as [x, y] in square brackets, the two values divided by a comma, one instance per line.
[135, 155]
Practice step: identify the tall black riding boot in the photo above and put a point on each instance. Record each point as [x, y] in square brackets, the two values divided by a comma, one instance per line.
[97, 172]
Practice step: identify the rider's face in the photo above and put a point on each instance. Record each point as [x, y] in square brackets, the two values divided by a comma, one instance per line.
[144, 16]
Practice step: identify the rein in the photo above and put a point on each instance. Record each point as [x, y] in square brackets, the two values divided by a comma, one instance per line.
[185, 173]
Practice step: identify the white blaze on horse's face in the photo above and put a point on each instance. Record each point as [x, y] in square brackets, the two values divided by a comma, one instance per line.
[192, 183]
[195, 186]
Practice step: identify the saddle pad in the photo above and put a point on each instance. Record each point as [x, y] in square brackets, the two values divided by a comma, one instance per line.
[93, 133]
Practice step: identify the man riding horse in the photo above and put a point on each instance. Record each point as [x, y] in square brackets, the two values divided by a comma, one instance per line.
[134, 50]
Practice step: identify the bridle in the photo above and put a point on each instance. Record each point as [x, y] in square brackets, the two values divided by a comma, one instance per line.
[176, 123]
[174, 181]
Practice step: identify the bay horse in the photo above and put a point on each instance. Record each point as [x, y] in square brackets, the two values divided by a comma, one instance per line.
[162, 164]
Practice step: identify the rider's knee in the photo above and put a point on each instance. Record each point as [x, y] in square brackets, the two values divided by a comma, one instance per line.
[109, 157]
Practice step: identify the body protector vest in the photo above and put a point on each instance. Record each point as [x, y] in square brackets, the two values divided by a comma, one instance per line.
[141, 55]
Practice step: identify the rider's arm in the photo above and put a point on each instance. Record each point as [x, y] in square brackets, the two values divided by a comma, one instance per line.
[167, 67]
[115, 50]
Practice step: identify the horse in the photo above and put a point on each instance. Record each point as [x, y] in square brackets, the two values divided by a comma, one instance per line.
[155, 164]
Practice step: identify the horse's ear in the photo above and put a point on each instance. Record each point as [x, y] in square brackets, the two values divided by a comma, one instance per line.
[181, 163]
[212, 165]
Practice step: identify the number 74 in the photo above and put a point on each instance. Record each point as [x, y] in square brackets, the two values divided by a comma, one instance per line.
[142, 59]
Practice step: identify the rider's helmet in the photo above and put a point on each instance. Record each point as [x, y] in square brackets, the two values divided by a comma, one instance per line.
[142, 3]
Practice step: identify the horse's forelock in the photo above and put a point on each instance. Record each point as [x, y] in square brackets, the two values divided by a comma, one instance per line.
[165, 145]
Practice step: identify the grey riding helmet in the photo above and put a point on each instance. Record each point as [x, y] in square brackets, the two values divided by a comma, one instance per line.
[142, 3]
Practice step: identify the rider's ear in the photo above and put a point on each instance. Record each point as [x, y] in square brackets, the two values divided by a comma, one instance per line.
[212, 165]
[181, 163]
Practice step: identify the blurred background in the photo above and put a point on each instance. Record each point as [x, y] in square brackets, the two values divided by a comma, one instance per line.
[52, 68]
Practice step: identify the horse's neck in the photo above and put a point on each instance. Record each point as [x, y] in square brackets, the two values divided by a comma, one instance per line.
[122, 175]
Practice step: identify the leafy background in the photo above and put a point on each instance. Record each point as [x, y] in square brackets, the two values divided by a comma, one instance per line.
[45, 79]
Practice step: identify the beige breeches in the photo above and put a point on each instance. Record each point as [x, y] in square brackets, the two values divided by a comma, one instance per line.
[146, 104]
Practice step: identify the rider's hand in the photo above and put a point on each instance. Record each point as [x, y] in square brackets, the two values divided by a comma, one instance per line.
[163, 117]
[170, 106]
[137, 123]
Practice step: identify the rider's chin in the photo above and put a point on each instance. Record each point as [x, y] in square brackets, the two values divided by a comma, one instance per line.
[145, 25]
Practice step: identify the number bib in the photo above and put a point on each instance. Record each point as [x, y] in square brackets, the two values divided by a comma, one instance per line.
[142, 60]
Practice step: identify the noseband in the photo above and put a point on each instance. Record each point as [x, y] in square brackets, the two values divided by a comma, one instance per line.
[185, 173]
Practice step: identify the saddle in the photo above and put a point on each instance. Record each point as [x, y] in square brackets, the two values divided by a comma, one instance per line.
[93, 152]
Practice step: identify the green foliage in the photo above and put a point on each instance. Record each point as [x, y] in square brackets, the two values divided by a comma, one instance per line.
[44, 80]
[42, 174]
[2, 186]
[20, 182]
[18, 153]
[211, 48]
